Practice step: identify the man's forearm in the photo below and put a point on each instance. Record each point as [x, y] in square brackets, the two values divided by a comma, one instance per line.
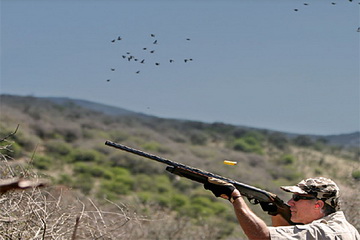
[253, 226]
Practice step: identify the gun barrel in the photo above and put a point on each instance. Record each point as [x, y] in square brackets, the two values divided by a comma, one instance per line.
[143, 154]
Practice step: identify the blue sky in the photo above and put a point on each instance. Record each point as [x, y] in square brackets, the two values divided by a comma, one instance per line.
[254, 63]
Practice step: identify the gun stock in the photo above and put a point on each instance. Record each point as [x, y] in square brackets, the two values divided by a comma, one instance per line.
[254, 195]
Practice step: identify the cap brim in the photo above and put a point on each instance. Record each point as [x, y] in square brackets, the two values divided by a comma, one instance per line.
[293, 189]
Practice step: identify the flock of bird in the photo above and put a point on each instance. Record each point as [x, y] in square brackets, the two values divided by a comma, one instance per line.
[307, 4]
[332, 3]
[128, 56]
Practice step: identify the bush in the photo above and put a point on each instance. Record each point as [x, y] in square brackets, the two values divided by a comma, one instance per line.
[65, 179]
[198, 138]
[14, 151]
[121, 186]
[178, 201]
[70, 135]
[93, 170]
[154, 147]
[286, 159]
[58, 148]
[43, 162]
[143, 182]
[248, 144]
[356, 175]
[121, 182]
[84, 182]
[279, 140]
[203, 207]
[303, 141]
[86, 156]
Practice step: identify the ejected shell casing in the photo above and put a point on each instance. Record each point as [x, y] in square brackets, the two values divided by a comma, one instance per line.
[229, 162]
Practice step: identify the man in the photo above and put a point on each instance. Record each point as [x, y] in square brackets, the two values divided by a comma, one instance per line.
[314, 208]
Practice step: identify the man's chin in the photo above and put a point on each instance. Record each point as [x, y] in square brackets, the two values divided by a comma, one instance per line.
[293, 217]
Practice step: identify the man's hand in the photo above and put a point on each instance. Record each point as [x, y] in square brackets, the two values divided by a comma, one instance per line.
[219, 188]
[270, 208]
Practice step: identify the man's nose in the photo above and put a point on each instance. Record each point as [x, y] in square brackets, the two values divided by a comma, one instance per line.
[291, 202]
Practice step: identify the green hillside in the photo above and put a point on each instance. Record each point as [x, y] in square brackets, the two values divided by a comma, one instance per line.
[65, 142]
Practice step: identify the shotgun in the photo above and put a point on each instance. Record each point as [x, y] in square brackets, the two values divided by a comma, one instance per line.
[269, 201]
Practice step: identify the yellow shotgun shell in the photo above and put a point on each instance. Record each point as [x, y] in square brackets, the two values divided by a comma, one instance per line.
[229, 162]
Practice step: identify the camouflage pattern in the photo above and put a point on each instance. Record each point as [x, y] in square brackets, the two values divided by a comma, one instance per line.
[322, 188]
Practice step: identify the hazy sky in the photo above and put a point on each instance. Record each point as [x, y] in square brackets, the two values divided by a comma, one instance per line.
[256, 63]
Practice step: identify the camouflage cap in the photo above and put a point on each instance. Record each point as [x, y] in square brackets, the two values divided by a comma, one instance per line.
[322, 188]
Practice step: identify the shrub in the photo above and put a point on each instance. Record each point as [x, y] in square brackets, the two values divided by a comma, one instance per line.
[143, 182]
[286, 159]
[248, 144]
[58, 148]
[121, 182]
[24, 142]
[198, 138]
[86, 156]
[120, 186]
[279, 140]
[14, 151]
[356, 175]
[65, 179]
[43, 162]
[151, 146]
[70, 135]
[84, 182]
[303, 141]
[203, 207]
[178, 201]
[93, 170]
[162, 183]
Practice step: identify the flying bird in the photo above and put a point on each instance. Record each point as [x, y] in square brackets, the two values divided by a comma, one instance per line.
[152, 51]
[333, 3]
[142, 61]
[296, 9]
[358, 30]
[144, 48]
[113, 40]
[108, 80]
[152, 35]
[171, 60]
[155, 42]
[157, 64]
[112, 69]
[119, 38]
[188, 39]
[137, 72]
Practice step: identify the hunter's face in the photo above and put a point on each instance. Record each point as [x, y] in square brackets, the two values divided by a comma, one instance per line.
[302, 210]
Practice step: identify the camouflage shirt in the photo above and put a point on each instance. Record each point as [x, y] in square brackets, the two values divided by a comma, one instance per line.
[332, 227]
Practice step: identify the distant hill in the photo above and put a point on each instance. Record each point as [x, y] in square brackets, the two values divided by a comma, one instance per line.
[349, 140]
[344, 140]
[106, 109]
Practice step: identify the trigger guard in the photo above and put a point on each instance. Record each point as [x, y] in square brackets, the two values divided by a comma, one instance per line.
[253, 201]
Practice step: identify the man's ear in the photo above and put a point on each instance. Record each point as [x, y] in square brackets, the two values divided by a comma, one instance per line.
[319, 204]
